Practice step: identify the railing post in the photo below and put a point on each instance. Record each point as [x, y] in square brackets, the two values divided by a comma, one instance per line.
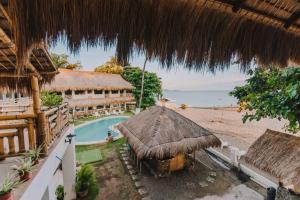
[42, 137]
[31, 135]
[1, 147]
[21, 139]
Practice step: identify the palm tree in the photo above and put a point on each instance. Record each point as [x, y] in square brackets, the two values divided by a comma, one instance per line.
[142, 87]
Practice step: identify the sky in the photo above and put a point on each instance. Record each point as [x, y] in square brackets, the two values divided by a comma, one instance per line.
[176, 79]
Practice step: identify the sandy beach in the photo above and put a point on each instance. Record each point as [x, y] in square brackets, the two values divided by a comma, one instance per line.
[226, 123]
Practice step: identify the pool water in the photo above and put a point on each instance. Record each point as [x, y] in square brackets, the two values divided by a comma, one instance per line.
[96, 131]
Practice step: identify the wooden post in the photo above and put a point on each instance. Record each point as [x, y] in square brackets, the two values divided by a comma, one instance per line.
[1, 147]
[35, 95]
[43, 137]
[11, 144]
[21, 139]
[31, 134]
[140, 167]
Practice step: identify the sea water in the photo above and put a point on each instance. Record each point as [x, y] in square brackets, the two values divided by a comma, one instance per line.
[209, 98]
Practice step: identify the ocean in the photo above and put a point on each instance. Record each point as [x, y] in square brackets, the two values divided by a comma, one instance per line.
[211, 98]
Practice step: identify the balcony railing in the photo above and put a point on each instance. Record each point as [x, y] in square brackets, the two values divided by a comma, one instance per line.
[52, 123]
[19, 133]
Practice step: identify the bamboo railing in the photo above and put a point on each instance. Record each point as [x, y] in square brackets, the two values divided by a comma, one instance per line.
[27, 131]
[52, 123]
[22, 131]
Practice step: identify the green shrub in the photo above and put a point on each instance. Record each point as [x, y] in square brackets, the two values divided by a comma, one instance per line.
[51, 99]
[86, 182]
[60, 192]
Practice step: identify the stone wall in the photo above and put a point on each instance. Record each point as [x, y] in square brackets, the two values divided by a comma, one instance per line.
[284, 194]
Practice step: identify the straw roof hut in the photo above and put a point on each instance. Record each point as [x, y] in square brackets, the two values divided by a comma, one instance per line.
[203, 34]
[278, 154]
[38, 65]
[161, 133]
[87, 80]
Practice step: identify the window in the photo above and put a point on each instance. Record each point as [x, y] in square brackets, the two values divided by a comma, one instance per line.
[106, 91]
[128, 91]
[115, 91]
[90, 91]
[98, 91]
[90, 108]
[99, 107]
[68, 92]
[79, 92]
[58, 93]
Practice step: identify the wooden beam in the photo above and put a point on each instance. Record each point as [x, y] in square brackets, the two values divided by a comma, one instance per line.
[237, 5]
[256, 11]
[293, 18]
[7, 40]
[12, 75]
[14, 117]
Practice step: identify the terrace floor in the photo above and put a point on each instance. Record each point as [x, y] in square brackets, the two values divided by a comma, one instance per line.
[207, 181]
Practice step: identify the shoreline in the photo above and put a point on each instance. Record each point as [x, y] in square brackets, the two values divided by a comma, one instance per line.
[226, 123]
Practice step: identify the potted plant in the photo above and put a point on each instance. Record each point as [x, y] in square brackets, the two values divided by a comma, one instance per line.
[9, 183]
[34, 154]
[60, 193]
[86, 182]
[23, 168]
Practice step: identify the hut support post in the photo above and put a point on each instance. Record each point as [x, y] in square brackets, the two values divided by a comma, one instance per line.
[140, 167]
[35, 94]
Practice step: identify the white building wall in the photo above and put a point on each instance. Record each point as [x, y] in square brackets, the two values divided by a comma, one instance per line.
[62, 152]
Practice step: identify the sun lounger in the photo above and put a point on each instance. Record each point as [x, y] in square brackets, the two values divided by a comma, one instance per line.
[96, 114]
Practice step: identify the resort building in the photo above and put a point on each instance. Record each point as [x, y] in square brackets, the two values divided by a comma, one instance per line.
[93, 92]
[24, 126]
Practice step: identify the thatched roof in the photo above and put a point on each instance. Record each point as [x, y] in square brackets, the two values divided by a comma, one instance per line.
[39, 63]
[160, 133]
[278, 154]
[87, 80]
[79, 103]
[204, 34]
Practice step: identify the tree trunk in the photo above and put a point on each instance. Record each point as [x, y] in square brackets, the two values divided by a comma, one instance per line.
[142, 86]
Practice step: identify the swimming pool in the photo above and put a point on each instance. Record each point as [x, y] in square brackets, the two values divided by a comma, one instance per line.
[96, 131]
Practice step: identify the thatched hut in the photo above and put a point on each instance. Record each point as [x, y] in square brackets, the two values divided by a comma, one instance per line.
[278, 154]
[163, 137]
[204, 34]
[38, 69]
[39, 64]
[89, 92]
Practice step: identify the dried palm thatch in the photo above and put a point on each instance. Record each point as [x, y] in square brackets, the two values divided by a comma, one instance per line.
[22, 84]
[278, 154]
[202, 34]
[39, 63]
[162, 133]
[87, 80]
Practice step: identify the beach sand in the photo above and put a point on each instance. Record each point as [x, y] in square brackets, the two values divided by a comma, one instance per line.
[226, 123]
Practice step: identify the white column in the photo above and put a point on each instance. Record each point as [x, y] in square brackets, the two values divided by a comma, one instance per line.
[63, 94]
[69, 171]
[73, 94]
[46, 195]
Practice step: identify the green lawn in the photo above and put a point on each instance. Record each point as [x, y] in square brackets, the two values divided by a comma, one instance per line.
[89, 156]
[97, 153]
